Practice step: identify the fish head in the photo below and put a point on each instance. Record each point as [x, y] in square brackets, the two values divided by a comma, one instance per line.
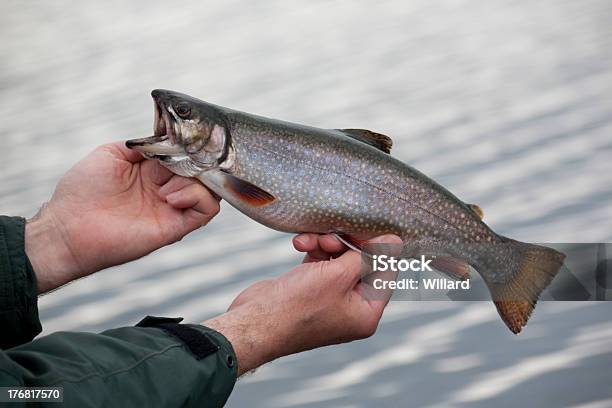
[189, 135]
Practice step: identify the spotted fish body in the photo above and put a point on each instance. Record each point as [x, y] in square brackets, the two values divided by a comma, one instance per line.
[297, 178]
[325, 181]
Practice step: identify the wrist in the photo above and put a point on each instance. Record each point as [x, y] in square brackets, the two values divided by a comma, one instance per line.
[48, 253]
[256, 338]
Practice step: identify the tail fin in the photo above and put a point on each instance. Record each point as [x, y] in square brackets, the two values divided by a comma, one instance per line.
[535, 268]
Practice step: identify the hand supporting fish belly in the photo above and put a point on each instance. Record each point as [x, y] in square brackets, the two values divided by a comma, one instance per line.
[296, 178]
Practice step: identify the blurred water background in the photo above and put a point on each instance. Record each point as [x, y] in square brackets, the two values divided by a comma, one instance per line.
[508, 104]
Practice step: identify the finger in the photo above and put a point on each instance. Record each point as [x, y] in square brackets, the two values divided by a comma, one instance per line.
[330, 243]
[198, 207]
[174, 184]
[158, 174]
[377, 297]
[305, 242]
[318, 247]
[316, 256]
[346, 269]
[196, 197]
[194, 219]
[350, 261]
[367, 312]
[310, 243]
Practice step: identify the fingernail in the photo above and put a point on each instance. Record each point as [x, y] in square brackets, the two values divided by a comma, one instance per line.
[301, 239]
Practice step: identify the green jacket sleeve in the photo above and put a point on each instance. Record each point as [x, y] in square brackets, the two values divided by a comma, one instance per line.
[18, 292]
[160, 362]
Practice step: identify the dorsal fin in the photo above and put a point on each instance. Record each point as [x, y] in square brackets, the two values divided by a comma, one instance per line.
[477, 210]
[379, 141]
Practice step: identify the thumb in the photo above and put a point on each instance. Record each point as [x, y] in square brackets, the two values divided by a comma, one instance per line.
[391, 246]
[356, 265]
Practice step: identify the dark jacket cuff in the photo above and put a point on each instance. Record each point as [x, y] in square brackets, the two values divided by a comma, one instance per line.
[200, 340]
[18, 291]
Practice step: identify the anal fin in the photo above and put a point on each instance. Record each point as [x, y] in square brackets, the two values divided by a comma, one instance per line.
[353, 243]
[452, 267]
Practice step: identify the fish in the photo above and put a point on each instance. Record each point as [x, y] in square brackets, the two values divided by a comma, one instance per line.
[303, 179]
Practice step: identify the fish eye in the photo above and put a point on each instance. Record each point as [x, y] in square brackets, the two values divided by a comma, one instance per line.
[182, 109]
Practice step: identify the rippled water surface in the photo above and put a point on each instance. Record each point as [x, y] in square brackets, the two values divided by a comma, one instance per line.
[508, 104]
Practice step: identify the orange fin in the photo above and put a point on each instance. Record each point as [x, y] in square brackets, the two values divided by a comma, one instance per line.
[379, 141]
[247, 192]
[516, 299]
[454, 268]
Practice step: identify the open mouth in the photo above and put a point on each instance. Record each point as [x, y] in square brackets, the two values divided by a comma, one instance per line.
[165, 122]
[159, 125]
[164, 139]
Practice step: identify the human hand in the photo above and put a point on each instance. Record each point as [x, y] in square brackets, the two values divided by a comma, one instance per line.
[110, 208]
[316, 304]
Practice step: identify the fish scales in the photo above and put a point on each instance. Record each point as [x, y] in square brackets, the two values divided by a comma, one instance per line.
[349, 191]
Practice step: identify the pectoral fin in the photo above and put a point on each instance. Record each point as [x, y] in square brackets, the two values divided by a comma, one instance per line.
[247, 192]
[381, 142]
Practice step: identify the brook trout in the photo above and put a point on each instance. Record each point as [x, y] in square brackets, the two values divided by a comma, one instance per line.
[297, 178]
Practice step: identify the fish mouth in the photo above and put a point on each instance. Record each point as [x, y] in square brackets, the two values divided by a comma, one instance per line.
[166, 132]
[159, 125]
[165, 122]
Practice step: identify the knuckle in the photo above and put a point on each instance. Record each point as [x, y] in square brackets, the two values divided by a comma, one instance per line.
[214, 209]
[368, 328]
